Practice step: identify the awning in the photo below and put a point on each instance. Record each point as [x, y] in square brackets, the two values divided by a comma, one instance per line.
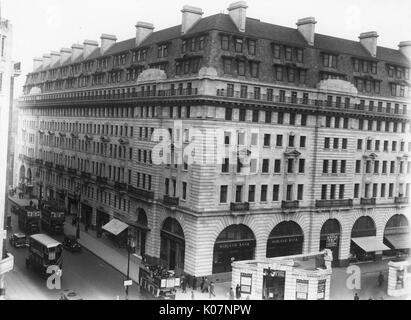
[399, 241]
[115, 227]
[370, 244]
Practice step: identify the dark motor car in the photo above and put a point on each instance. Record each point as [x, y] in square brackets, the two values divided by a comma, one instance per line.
[70, 244]
[18, 240]
[70, 295]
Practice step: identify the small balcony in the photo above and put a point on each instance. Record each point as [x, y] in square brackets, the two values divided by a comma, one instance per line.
[368, 202]
[140, 192]
[49, 164]
[401, 200]
[171, 201]
[290, 204]
[59, 167]
[85, 175]
[240, 207]
[334, 203]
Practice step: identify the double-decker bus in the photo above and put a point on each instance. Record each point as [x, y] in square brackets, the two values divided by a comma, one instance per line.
[29, 219]
[52, 218]
[43, 253]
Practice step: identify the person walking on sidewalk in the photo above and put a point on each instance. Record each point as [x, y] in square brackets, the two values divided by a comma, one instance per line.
[380, 279]
[231, 294]
[192, 295]
[194, 283]
[184, 283]
[206, 285]
[202, 284]
[212, 289]
[238, 292]
[356, 297]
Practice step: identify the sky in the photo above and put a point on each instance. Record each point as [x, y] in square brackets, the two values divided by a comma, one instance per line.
[42, 26]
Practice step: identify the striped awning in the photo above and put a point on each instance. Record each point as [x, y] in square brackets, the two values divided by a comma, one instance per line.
[370, 244]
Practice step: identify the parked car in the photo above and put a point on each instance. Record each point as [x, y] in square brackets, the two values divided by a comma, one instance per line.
[70, 244]
[18, 240]
[70, 295]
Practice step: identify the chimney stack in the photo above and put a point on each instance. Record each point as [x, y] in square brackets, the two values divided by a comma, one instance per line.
[46, 61]
[405, 49]
[65, 55]
[77, 51]
[89, 47]
[55, 57]
[238, 13]
[369, 42]
[107, 40]
[143, 30]
[306, 27]
[37, 63]
[190, 16]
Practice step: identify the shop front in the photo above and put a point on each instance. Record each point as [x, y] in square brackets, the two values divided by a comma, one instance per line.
[139, 233]
[286, 239]
[365, 246]
[235, 243]
[102, 218]
[172, 248]
[300, 277]
[397, 236]
[330, 239]
[86, 215]
[117, 231]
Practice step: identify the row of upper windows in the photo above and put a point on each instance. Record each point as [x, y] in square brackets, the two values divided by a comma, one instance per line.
[368, 193]
[368, 145]
[376, 163]
[291, 166]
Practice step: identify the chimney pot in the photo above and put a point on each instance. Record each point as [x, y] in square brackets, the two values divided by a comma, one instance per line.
[89, 47]
[306, 26]
[46, 61]
[238, 13]
[369, 42]
[107, 40]
[55, 57]
[65, 54]
[143, 30]
[190, 16]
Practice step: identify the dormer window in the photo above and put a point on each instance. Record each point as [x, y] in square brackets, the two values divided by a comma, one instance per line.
[162, 51]
[239, 45]
[329, 60]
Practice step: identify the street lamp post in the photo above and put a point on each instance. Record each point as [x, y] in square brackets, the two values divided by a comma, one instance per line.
[78, 212]
[130, 247]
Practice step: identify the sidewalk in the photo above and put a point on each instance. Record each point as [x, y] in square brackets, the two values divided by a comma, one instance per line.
[117, 258]
[106, 251]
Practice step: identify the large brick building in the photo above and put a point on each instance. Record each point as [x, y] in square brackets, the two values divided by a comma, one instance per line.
[315, 128]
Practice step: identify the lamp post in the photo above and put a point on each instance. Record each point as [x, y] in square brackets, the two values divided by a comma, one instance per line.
[40, 194]
[78, 212]
[130, 246]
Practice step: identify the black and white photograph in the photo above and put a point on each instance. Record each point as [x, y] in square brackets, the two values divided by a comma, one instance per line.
[209, 151]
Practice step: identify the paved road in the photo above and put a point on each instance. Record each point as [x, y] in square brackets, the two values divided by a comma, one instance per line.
[83, 272]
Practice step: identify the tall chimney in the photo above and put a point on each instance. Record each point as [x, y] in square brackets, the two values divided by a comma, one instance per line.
[405, 49]
[190, 16]
[46, 61]
[55, 57]
[143, 30]
[306, 27]
[238, 13]
[37, 63]
[369, 42]
[65, 55]
[77, 51]
[107, 40]
[89, 47]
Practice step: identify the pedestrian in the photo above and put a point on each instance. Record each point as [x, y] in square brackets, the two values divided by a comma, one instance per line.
[192, 295]
[231, 294]
[194, 283]
[184, 284]
[206, 284]
[380, 279]
[356, 297]
[211, 289]
[202, 284]
[238, 292]
[31, 203]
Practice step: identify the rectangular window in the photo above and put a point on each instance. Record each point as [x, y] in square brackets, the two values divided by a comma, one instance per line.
[289, 196]
[341, 192]
[251, 47]
[391, 190]
[325, 166]
[334, 166]
[266, 165]
[301, 166]
[223, 194]
[279, 142]
[324, 192]
[343, 166]
[356, 191]
[303, 140]
[382, 191]
[290, 167]
[277, 166]
[263, 196]
[251, 193]
[344, 143]
[326, 143]
[300, 192]
[277, 51]
[239, 194]
[276, 192]
[267, 140]
[225, 43]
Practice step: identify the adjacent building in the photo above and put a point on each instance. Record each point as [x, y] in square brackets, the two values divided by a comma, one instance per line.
[8, 70]
[283, 141]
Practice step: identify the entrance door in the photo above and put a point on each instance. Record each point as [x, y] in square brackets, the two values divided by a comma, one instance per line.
[173, 254]
[274, 286]
[330, 239]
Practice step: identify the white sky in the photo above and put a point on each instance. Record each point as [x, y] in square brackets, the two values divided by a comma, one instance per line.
[42, 26]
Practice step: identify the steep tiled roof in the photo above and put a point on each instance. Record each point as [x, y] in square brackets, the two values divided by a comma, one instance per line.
[256, 29]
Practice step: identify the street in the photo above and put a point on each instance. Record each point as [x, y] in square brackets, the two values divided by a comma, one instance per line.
[83, 273]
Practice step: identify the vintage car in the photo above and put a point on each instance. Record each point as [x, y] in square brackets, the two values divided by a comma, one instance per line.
[70, 295]
[70, 244]
[18, 240]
